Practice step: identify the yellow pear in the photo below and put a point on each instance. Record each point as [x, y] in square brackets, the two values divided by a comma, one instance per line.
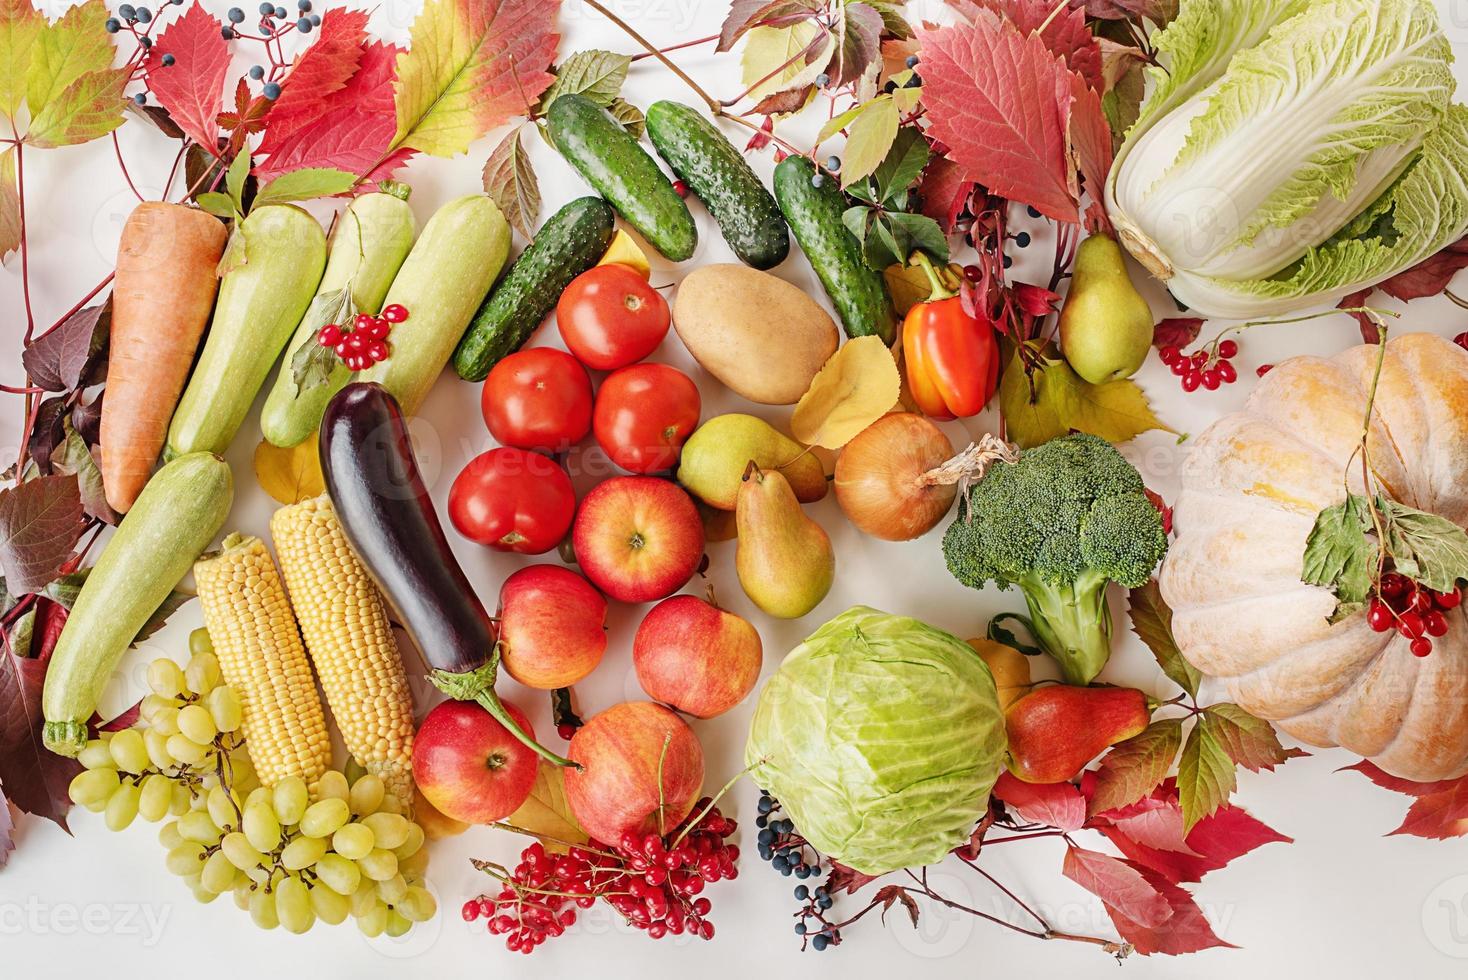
[784, 559]
[1105, 325]
[715, 455]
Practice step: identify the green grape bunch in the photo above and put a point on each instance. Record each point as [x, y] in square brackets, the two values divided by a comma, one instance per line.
[288, 856]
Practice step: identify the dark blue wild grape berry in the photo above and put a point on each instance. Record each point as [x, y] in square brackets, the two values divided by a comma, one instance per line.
[1034, 211]
[113, 25]
[304, 6]
[304, 25]
[280, 13]
[315, 20]
[144, 15]
[912, 61]
[819, 943]
[818, 180]
[141, 98]
[267, 9]
[168, 61]
[271, 91]
[257, 72]
[1022, 239]
[833, 164]
[127, 12]
[227, 33]
[822, 80]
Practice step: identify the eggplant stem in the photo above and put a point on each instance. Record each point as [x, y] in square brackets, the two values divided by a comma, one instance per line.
[477, 685]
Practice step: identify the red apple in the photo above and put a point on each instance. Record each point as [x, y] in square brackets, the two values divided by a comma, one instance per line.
[552, 625]
[696, 657]
[638, 538]
[621, 752]
[469, 766]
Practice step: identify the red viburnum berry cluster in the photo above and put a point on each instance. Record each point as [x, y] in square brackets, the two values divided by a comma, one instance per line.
[1418, 614]
[652, 881]
[366, 343]
[1206, 368]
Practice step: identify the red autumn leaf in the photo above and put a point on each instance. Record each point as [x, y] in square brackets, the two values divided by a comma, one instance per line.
[1185, 930]
[1118, 883]
[323, 68]
[1034, 300]
[848, 880]
[1430, 276]
[354, 131]
[992, 96]
[1176, 331]
[34, 777]
[744, 15]
[249, 112]
[1214, 841]
[761, 137]
[1065, 33]
[1440, 815]
[40, 521]
[944, 188]
[1089, 137]
[1249, 741]
[192, 88]
[1156, 500]
[126, 719]
[1057, 805]
[1397, 784]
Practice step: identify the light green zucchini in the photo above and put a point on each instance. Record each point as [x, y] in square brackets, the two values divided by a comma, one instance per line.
[369, 243]
[455, 261]
[173, 521]
[258, 307]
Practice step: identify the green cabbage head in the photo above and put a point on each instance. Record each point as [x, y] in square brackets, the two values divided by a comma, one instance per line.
[881, 737]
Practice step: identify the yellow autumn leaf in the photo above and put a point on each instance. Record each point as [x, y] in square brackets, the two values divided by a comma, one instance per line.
[546, 814]
[1054, 400]
[868, 140]
[857, 386]
[624, 251]
[909, 285]
[290, 475]
[766, 49]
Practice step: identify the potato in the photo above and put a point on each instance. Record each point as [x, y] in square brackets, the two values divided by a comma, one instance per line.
[757, 333]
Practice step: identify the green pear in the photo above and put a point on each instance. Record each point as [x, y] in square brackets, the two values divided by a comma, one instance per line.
[715, 456]
[1106, 325]
[784, 559]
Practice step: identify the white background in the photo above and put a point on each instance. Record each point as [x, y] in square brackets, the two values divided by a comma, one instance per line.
[1342, 901]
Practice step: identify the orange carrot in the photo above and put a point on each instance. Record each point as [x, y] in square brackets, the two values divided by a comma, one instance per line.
[161, 301]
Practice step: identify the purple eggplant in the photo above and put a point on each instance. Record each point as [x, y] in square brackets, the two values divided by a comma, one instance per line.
[387, 515]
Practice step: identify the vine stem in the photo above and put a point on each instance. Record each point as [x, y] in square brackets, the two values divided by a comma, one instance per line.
[91, 294]
[677, 47]
[713, 104]
[122, 165]
[25, 252]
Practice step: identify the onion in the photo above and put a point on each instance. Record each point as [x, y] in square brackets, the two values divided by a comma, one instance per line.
[879, 477]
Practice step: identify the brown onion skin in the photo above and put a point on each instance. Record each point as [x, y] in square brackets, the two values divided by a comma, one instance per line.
[877, 477]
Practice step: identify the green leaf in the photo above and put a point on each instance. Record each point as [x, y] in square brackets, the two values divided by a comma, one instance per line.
[1339, 556]
[1152, 622]
[886, 243]
[1052, 400]
[855, 220]
[839, 122]
[75, 45]
[305, 184]
[1428, 549]
[868, 139]
[922, 233]
[903, 164]
[510, 181]
[313, 364]
[629, 116]
[216, 203]
[235, 177]
[89, 107]
[1249, 741]
[20, 30]
[893, 22]
[596, 74]
[9, 203]
[1134, 768]
[1205, 773]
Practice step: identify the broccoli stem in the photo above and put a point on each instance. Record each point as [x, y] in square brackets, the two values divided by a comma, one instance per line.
[1072, 623]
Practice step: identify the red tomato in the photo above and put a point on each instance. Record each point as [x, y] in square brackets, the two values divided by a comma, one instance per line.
[537, 399]
[610, 317]
[513, 500]
[644, 414]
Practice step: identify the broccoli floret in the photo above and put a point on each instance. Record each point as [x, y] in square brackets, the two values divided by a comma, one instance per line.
[1066, 519]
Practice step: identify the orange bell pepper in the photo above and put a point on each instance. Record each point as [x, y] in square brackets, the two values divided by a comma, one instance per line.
[952, 359]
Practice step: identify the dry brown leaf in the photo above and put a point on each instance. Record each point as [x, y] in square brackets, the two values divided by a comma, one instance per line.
[546, 814]
[857, 386]
[290, 475]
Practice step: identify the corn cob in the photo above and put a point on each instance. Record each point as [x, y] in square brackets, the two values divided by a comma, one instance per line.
[261, 656]
[350, 640]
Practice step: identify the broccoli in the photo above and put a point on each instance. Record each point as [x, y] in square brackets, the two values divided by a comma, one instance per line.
[1066, 519]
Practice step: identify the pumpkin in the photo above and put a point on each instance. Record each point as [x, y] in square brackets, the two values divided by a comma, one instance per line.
[1251, 490]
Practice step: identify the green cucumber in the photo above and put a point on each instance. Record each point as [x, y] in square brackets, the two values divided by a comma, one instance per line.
[457, 258]
[258, 308]
[620, 170]
[717, 172]
[858, 292]
[370, 241]
[174, 519]
[567, 245]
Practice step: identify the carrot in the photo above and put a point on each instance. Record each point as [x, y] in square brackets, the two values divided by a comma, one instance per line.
[161, 300]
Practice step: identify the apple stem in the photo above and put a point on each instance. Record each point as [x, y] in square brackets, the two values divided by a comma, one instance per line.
[713, 802]
[477, 685]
